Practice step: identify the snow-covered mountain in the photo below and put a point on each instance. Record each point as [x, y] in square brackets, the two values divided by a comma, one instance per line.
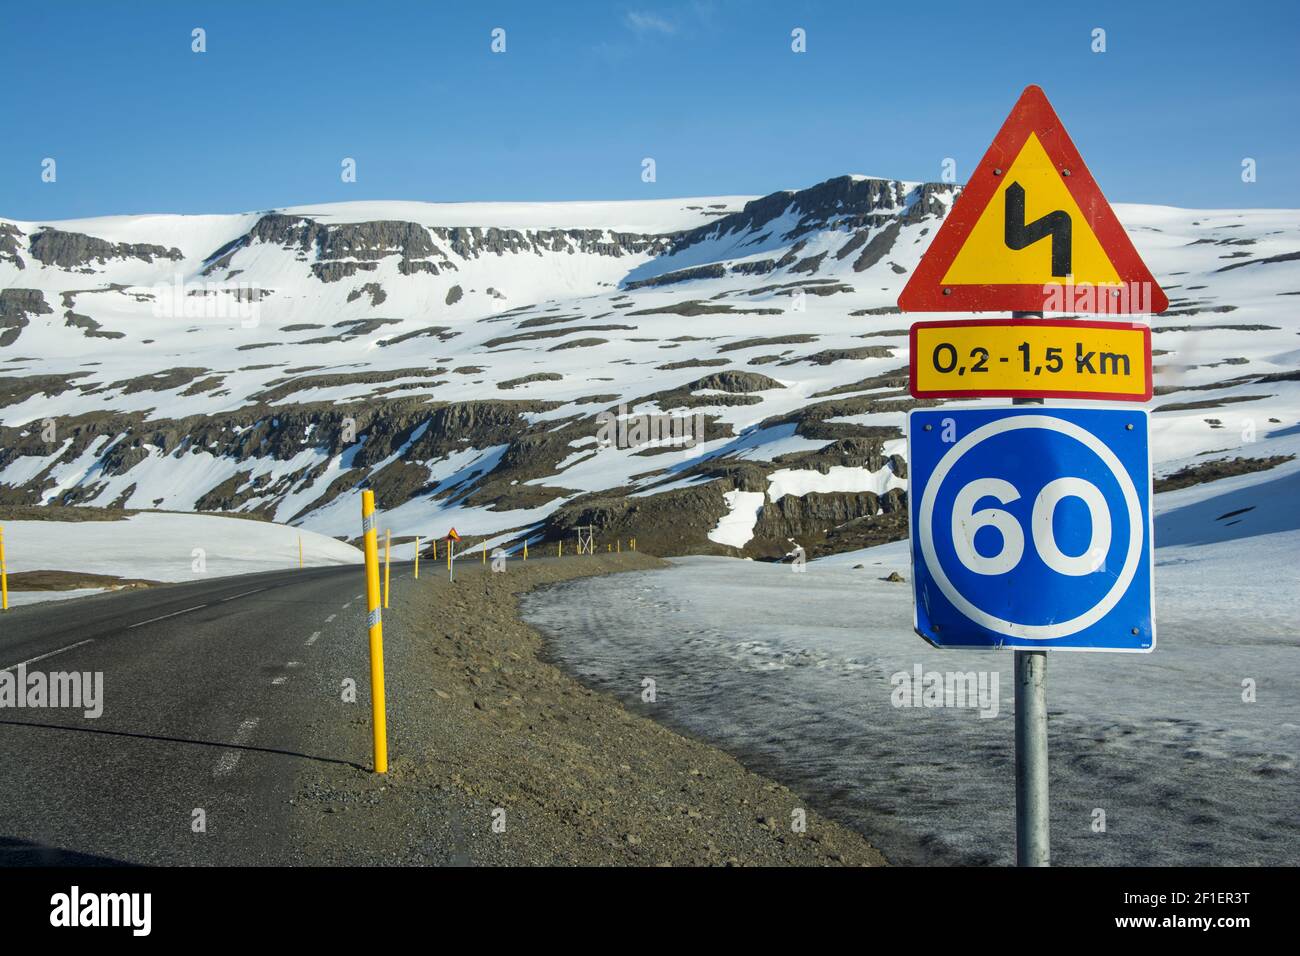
[457, 359]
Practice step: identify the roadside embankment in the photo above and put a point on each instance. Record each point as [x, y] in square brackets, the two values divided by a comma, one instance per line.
[499, 757]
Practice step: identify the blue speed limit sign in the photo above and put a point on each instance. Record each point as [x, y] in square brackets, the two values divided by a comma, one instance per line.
[1031, 528]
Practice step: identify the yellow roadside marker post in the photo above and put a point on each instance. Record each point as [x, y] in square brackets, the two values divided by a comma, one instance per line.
[482, 550]
[417, 557]
[525, 550]
[4, 575]
[559, 549]
[435, 549]
[634, 544]
[619, 548]
[375, 625]
[388, 537]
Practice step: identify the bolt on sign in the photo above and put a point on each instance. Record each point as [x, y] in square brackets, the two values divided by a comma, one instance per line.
[1019, 358]
[1031, 232]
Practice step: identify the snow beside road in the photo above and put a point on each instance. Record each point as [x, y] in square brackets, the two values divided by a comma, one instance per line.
[19, 598]
[1191, 751]
[165, 547]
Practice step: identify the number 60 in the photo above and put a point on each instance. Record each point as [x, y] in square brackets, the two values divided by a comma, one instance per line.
[966, 522]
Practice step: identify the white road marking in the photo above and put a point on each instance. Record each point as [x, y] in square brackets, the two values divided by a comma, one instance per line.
[165, 616]
[315, 635]
[245, 594]
[230, 758]
[277, 681]
[348, 605]
[330, 618]
[41, 657]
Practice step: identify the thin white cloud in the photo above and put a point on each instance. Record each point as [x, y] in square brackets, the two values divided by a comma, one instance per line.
[642, 22]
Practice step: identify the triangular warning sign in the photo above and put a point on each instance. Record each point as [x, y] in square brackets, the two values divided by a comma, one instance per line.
[453, 535]
[1031, 232]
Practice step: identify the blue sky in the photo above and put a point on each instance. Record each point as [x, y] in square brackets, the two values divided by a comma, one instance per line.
[138, 123]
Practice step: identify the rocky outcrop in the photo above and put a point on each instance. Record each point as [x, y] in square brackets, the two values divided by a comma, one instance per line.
[669, 523]
[76, 251]
[372, 289]
[10, 244]
[713, 271]
[473, 242]
[845, 202]
[534, 377]
[89, 327]
[734, 380]
[830, 524]
[16, 306]
[339, 250]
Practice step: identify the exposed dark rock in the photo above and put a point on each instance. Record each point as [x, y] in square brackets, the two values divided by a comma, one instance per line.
[829, 356]
[1219, 468]
[734, 380]
[284, 387]
[442, 332]
[534, 377]
[577, 344]
[1270, 260]
[75, 250]
[711, 271]
[549, 320]
[19, 388]
[553, 333]
[163, 381]
[696, 307]
[16, 306]
[372, 289]
[692, 363]
[878, 247]
[797, 339]
[10, 244]
[810, 264]
[338, 250]
[89, 327]
[335, 271]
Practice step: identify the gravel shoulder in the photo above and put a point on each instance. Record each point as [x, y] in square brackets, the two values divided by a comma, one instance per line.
[483, 731]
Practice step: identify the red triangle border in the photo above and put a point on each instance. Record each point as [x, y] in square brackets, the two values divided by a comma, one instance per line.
[924, 291]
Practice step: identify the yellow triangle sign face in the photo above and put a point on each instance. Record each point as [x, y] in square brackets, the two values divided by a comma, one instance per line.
[986, 258]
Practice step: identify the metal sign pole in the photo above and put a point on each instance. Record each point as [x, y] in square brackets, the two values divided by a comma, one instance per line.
[1033, 831]
[1033, 837]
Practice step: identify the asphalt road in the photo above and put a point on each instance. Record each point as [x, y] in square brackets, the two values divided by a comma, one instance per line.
[216, 694]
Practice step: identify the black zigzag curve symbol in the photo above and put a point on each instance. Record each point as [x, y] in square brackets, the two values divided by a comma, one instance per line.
[1020, 234]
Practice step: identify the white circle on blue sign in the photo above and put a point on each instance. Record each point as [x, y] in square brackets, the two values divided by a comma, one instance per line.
[1056, 560]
